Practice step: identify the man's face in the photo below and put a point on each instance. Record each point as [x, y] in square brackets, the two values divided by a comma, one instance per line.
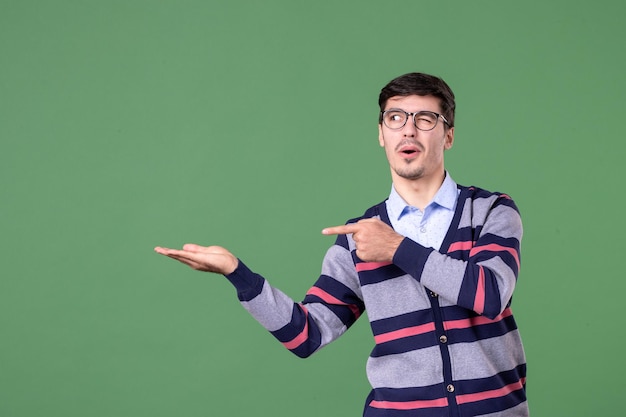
[412, 153]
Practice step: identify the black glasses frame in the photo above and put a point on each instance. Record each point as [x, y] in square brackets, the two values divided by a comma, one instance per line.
[412, 115]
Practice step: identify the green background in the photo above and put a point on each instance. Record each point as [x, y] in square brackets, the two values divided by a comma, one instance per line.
[117, 135]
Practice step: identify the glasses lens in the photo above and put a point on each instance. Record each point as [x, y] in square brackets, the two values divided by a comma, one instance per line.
[426, 120]
[394, 119]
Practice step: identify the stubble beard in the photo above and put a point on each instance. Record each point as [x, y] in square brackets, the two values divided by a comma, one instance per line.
[409, 173]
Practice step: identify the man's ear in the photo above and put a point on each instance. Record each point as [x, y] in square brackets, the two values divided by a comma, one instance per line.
[381, 139]
[449, 140]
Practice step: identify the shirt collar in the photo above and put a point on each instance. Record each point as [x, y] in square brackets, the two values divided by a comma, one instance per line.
[445, 197]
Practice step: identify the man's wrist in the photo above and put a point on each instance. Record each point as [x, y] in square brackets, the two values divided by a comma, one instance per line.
[233, 265]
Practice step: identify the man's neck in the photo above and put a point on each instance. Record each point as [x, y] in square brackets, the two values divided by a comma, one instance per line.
[419, 192]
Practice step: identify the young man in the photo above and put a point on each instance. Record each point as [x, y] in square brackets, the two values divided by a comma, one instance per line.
[435, 265]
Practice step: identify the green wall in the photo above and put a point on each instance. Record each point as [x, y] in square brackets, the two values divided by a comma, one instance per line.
[117, 135]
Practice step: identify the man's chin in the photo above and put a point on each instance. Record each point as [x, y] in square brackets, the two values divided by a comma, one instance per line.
[414, 174]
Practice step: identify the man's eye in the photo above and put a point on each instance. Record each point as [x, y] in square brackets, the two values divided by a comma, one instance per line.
[426, 118]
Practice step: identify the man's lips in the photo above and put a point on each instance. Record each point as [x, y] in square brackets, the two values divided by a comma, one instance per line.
[409, 151]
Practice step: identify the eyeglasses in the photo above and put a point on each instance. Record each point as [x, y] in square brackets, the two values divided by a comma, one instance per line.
[423, 120]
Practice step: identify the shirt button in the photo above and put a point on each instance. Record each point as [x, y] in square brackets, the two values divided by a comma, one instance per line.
[443, 339]
[450, 388]
[423, 229]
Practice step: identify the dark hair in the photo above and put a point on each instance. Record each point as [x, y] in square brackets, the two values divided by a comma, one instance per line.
[417, 83]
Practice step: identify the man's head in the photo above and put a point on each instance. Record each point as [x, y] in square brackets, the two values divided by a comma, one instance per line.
[420, 84]
[416, 126]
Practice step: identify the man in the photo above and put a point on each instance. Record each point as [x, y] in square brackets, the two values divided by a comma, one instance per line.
[435, 265]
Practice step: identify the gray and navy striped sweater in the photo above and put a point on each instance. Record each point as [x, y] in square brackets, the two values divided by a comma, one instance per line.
[446, 342]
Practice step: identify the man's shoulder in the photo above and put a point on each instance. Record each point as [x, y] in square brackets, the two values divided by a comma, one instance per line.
[492, 198]
[479, 192]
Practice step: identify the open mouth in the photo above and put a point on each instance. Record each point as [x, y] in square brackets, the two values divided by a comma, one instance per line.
[409, 151]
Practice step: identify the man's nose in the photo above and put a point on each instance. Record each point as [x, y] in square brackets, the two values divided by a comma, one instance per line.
[409, 129]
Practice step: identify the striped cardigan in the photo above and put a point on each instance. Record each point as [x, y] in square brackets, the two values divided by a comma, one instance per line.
[446, 342]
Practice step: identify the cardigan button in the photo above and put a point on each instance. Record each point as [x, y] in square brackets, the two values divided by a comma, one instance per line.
[450, 388]
[434, 294]
[443, 339]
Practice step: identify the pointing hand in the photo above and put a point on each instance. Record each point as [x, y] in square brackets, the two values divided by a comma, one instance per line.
[375, 240]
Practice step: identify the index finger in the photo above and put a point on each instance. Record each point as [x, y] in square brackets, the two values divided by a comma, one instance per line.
[341, 230]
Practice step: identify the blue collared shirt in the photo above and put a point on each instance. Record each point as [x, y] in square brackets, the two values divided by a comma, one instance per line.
[428, 227]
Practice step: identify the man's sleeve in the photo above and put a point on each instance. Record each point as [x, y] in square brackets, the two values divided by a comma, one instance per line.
[329, 308]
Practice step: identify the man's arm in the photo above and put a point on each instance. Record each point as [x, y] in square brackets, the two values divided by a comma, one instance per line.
[483, 283]
[331, 306]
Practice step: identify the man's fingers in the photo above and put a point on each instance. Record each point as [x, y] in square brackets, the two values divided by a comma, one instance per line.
[216, 250]
[349, 228]
[162, 251]
[174, 253]
[341, 230]
[192, 259]
[179, 255]
[192, 247]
